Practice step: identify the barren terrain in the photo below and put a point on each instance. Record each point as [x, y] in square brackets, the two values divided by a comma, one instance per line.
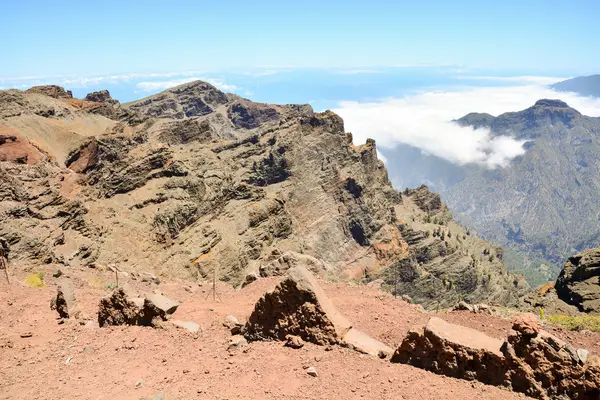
[86, 362]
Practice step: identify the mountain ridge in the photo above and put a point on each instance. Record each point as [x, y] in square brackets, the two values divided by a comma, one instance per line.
[192, 181]
[582, 85]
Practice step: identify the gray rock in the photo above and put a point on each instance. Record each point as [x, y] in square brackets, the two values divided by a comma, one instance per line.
[312, 371]
[189, 326]
[583, 355]
[232, 323]
[463, 306]
[237, 341]
[65, 303]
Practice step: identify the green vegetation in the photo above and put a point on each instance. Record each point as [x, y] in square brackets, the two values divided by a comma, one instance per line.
[576, 322]
[536, 271]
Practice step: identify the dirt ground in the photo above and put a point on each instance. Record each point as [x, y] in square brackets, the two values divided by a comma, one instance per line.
[72, 361]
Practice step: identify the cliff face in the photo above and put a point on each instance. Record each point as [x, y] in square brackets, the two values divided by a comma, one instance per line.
[579, 282]
[193, 180]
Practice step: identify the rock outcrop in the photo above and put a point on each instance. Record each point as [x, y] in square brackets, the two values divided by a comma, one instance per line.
[530, 361]
[51, 91]
[579, 282]
[65, 303]
[125, 307]
[299, 307]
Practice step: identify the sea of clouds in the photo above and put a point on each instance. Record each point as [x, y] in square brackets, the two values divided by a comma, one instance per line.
[423, 120]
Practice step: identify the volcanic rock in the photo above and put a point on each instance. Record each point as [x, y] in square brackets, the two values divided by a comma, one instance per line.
[297, 306]
[453, 350]
[527, 325]
[52, 91]
[579, 282]
[294, 342]
[157, 308]
[125, 307]
[122, 307]
[530, 361]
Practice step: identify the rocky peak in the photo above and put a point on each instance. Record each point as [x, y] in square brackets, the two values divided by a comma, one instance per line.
[551, 103]
[191, 99]
[476, 120]
[101, 96]
[54, 91]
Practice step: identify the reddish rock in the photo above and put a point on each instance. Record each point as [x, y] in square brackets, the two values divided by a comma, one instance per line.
[298, 309]
[527, 324]
[530, 361]
[19, 150]
[295, 342]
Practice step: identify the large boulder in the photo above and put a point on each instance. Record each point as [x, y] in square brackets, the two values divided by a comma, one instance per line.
[125, 307]
[579, 282]
[546, 364]
[530, 361]
[157, 308]
[453, 350]
[122, 307]
[298, 306]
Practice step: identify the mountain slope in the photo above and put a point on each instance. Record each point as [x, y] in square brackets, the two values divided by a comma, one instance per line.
[193, 182]
[545, 202]
[582, 85]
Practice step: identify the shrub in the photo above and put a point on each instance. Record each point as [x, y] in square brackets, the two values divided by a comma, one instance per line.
[576, 322]
[35, 280]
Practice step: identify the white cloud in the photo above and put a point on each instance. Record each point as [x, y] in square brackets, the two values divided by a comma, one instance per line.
[90, 80]
[524, 79]
[423, 121]
[151, 86]
[358, 71]
[263, 73]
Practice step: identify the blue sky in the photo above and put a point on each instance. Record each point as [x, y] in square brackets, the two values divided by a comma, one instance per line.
[317, 52]
[42, 38]
[397, 71]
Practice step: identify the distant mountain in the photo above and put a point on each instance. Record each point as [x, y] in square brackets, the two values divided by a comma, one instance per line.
[545, 205]
[582, 85]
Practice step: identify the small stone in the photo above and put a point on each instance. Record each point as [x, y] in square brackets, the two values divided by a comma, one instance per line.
[238, 341]
[191, 327]
[251, 277]
[294, 342]
[406, 298]
[26, 334]
[233, 324]
[463, 306]
[57, 274]
[139, 383]
[527, 324]
[583, 355]
[312, 371]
